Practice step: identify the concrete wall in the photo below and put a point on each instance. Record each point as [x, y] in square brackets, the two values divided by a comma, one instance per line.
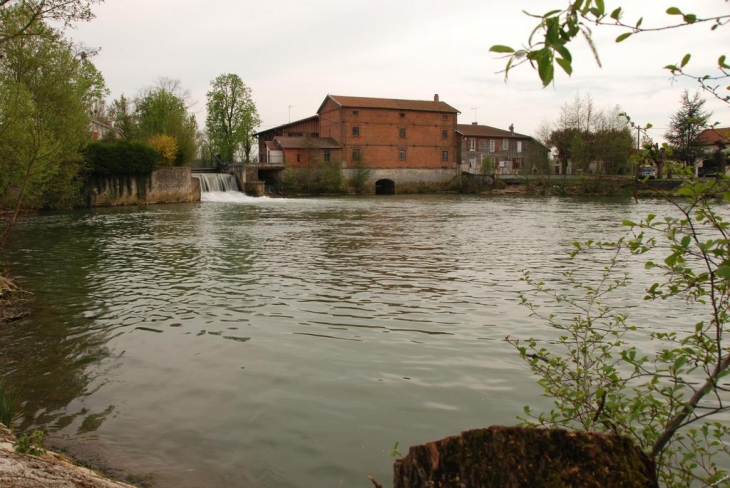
[166, 185]
[410, 180]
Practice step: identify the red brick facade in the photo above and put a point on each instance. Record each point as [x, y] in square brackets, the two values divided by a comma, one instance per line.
[386, 133]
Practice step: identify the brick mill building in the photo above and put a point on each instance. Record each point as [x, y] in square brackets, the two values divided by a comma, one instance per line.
[405, 144]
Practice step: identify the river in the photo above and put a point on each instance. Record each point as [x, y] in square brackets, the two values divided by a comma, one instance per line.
[287, 342]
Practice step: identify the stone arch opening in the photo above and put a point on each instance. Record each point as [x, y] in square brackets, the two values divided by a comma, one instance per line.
[385, 187]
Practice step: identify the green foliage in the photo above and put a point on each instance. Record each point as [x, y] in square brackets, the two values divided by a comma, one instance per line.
[318, 179]
[232, 118]
[8, 405]
[488, 165]
[600, 381]
[162, 110]
[549, 42]
[685, 127]
[46, 92]
[120, 158]
[37, 12]
[360, 175]
[31, 444]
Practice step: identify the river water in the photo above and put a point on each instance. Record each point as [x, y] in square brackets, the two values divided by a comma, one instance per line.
[287, 342]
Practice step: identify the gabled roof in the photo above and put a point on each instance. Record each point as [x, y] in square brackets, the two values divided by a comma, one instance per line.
[390, 103]
[288, 124]
[306, 142]
[272, 146]
[710, 137]
[472, 130]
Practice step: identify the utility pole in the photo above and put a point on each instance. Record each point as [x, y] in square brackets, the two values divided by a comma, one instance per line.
[475, 113]
[290, 106]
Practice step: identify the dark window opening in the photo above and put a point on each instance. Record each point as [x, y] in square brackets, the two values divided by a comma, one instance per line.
[402, 155]
[444, 134]
[444, 156]
[356, 155]
[402, 132]
[356, 131]
[327, 155]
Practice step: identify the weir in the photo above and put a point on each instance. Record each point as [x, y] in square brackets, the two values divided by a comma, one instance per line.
[217, 182]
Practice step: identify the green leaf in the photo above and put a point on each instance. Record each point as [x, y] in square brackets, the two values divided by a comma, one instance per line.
[551, 13]
[690, 18]
[545, 69]
[623, 36]
[721, 62]
[723, 272]
[686, 241]
[501, 49]
[674, 11]
[601, 7]
[685, 60]
[566, 65]
[616, 14]
[639, 22]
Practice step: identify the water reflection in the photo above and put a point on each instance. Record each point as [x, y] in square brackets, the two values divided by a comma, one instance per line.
[203, 344]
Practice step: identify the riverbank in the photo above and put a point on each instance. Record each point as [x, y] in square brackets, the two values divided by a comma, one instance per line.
[50, 469]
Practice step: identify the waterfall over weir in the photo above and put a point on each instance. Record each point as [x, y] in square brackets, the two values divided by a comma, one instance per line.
[220, 187]
[211, 182]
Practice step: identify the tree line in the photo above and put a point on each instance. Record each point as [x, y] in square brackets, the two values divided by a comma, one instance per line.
[50, 91]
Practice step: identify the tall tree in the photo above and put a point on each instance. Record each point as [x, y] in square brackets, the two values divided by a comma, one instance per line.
[163, 110]
[47, 90]
[232, 117]
[685, 127]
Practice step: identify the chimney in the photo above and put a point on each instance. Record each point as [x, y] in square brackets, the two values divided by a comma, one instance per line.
[511, 129]
[475, 123]
[436, 97]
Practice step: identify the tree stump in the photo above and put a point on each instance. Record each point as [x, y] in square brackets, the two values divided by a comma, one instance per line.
[526, 457]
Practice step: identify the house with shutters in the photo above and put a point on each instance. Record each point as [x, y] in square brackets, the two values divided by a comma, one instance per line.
[505, 149]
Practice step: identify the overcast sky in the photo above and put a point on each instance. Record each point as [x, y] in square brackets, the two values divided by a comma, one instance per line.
[293, 53]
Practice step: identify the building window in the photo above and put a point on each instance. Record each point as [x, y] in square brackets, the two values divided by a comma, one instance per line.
[472, 144]
[356, 155]
[402, 132]
[505, 144]
[444, 134]
[355, 112]
[299, 158]
[401, 155]
[444, 117]
[519, 146]
[444, 156]
[491, 145]
[327, 155]
[356, 131]
[402, 115]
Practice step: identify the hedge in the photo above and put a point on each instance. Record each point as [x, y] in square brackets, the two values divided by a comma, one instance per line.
[120, 158]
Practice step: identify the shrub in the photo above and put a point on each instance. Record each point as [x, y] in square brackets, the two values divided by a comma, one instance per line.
[120, 158]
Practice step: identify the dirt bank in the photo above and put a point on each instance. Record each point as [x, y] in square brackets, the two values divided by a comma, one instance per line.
[50, 470]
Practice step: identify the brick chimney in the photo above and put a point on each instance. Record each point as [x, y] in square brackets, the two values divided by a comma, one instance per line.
[475, 123]
[511, 129]
[436, 97]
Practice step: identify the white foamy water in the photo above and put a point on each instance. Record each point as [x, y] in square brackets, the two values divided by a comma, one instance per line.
[228, 196]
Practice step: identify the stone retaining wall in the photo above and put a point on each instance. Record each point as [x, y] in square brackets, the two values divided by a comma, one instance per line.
[166, 185]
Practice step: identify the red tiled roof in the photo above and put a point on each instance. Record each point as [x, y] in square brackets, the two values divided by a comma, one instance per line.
[710, 137]
[288, 124]
[392, 103]
[471, 130]
[306, 142]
